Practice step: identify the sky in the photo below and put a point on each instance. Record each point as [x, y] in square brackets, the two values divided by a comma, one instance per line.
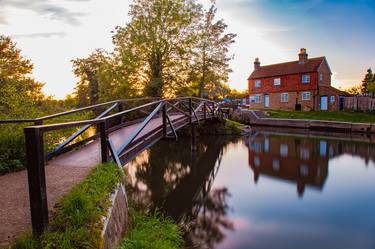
[53, 32]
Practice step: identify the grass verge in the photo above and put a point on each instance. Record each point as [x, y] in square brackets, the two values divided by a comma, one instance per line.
[356, 117]
[152, 231]
[77, 221]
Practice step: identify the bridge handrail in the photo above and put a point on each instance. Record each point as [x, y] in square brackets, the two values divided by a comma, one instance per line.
[40, 119]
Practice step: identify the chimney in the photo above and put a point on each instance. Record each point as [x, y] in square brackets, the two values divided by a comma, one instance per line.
[256, 64]
[302, 56]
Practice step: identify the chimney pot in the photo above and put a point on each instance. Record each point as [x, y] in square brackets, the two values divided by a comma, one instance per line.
[256, 64]
[302, 56]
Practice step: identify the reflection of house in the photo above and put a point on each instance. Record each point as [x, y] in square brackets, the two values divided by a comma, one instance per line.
[289, 159]
[298, 159]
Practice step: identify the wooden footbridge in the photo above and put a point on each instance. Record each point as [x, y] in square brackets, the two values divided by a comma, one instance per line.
[124, 128]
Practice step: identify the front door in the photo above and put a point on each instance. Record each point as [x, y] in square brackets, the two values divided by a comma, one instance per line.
[266, 101]
[323, 103]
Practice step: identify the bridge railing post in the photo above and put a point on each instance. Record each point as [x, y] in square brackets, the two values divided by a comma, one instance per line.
[36, 179]
[204, 110]
[164, 113]
[103, 141]
[191, 110]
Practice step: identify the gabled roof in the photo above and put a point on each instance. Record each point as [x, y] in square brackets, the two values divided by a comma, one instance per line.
[292, 67]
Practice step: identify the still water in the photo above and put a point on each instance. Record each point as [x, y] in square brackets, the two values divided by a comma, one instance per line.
[262, 191]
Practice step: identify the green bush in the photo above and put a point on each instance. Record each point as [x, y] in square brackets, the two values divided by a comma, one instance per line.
[12, 149]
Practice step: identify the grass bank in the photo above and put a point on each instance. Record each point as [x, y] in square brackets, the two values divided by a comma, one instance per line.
[77, 223]
[151, 231]
[355, 117]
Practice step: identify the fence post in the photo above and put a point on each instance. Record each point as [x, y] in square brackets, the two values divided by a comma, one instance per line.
[213, 109]
[36, 179]
[164, 112]
[103, 141]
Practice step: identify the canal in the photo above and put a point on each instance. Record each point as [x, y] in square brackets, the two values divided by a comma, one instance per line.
[264, 190]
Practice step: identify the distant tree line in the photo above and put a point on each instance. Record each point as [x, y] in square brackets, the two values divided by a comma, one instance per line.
[169, 48]
[367, 87]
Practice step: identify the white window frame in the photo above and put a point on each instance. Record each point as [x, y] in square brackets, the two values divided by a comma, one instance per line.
[257, 83]
[252, 99]
[305, 79]
[284, 99]
[257, 98]
[277, 81]
[305, 95]
[332, 99]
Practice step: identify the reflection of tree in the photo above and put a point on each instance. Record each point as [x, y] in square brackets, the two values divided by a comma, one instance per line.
[206, 230]
[174, 179]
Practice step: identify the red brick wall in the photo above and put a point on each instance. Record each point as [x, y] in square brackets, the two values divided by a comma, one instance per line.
[288, 83]
[324, 70]
[293, 97]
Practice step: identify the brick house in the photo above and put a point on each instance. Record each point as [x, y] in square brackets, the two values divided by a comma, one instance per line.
[304, 84]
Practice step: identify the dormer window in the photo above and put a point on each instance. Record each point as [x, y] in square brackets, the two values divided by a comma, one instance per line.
[276, 81]
[305, 79]
[257, 83]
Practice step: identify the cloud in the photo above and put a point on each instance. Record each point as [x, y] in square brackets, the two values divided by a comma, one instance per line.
[45, 8]
[40, 35]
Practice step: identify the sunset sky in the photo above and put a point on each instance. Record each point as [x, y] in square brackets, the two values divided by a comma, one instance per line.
[53, 32]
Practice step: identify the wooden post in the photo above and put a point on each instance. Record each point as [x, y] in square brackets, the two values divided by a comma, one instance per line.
[36, 179]
[103, 141]
[191, 110]
[164, 113]
[119, 108]
[204, 110]
[213, 109]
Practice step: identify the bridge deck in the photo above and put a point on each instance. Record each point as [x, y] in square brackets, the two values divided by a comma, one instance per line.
[62, 173]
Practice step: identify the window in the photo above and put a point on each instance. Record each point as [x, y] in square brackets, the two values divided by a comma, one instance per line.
[276, 82]
[276, 165]
[332, 99]
[306, 95]
[283, 150]
[256, 161]
[284, 97]
[257, 83]
[255, 98]
[305, 79]
[266, 145]
[320, 76]
[305, 154]
[304, 170]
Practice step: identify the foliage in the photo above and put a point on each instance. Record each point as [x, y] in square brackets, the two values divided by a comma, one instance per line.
[368, 82]
[77, 223]
[19, 93]
[319, 115]
[355, 90]
[170, 47]
[154, 231]
[210, 67]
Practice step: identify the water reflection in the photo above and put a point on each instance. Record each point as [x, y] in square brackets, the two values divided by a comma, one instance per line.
[178, 180]
[298, 159]
[208, 192]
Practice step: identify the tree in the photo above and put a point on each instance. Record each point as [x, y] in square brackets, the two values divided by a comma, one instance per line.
[211, 63]
[159, 40]
[19, 92]
[369, 77]
[355, 90]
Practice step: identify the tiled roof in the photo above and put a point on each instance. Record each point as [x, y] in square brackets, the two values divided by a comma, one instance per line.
[293, 67]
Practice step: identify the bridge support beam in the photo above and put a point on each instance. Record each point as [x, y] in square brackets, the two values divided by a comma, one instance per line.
[36, 179]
